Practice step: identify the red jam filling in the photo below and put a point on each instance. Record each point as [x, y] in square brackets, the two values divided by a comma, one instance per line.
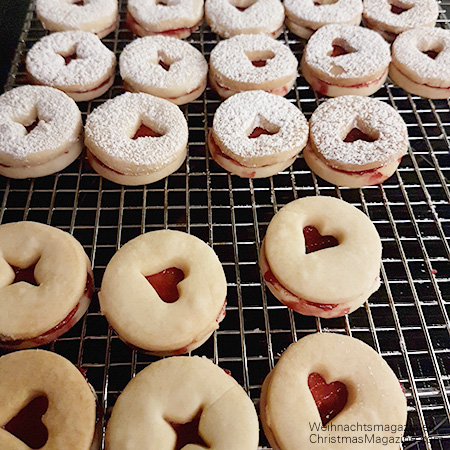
[164, 65]
[79, 3]
[259, 63]
[356, 134]
[432, 53]
[399, 8]
[258, 131]
[314, 241]
[144, 131]
[32, 126]
[27, 424]
[187, 433]
[165, 283]
[69, 58]
[26, 275]
[330, 398]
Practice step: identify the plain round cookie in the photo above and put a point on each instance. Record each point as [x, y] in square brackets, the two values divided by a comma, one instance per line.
[375, 396]
[76, 62]
[252, 62]
[176, 18]
[38, 307]
[391, 19]
[70, 418]
[345, 60]
[229, 18]
[332, 281]
[137, 311]
[256, 134]
[304, 17]
[96, 16]
[421, 62]
[179, 390]
[165, 67]
[355, 141]
[41, 131]
[115, 151]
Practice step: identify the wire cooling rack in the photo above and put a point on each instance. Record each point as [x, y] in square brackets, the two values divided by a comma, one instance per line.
[406, 321]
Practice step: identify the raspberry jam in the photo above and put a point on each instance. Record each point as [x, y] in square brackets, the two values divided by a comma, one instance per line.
[27, 424]
[314, 241]
[26, 275]
[330, 398]
[355, 134]
[399, 8]
[164, 65]
[69, 58]
[258, 131]
[187, 433]
[32, 126]
[165, 283]
[144, 131]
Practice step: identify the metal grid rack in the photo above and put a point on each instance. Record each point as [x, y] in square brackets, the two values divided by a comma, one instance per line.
[406, 321]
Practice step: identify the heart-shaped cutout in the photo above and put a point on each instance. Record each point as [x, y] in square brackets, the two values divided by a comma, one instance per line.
[144, 131]
[27, 424]
[165, 283]
[187, 433]
[314, 241]
[330, 398]
[26, 275]
[355, 134]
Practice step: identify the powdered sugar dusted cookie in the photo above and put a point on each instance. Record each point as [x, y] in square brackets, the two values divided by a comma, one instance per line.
[176, 18]
[345, 60]
[304, 17]
[96, 16]
[41, 131]
[355, 141]
[421, 62]
[321, 257]
[252, 62]
[76, 62]
[229, 18]
[165, 67]
[256, 134]
[136, 138]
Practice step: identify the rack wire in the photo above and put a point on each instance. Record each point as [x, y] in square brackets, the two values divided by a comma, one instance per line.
[406, 321]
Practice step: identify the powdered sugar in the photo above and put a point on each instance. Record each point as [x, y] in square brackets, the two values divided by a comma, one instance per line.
[230, 59]
[420, 13]
[59, 122]
[263, 16]
[93, 16]
[172, 14]
[333, 119]
[94, 62]
[238, 116]
[370, 52]
[139, 65]
[111, 126]
[342, 11]
[408, 50]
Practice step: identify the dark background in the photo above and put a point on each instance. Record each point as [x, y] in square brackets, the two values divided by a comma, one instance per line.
[12, 15]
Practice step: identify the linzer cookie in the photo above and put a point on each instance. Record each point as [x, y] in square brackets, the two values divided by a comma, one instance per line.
[45, 402]
[252, 62]
[41, 131]
[136, 138]
[165, 67]
[96, 16]
[45, 284]
[321, 257]
[355, 141]
[183, 403]
[76, 62]
[390, 18]
[345, 60]
[175, 18]
[256, 134]
[421, 62]
[229, 18]
[345, 389]
[305, 17]
[164, 292]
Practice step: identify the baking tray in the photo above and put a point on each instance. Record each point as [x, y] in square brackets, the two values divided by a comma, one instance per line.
[406, 320]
